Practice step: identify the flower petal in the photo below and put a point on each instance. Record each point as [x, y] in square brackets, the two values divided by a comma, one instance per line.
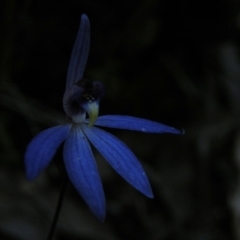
[42, 148]
[80, 52]
[120, 157]
[133, 123]
[82, 170]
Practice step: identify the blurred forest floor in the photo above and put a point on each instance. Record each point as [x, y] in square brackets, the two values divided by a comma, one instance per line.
[175, 62]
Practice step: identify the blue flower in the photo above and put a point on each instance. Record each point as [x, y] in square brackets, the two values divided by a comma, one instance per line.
[81, 103]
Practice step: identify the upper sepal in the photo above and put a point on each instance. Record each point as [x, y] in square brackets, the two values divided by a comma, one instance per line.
[42, 148]
[79, 54]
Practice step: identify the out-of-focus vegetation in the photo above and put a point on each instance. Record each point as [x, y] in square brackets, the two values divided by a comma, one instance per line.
[176, 62]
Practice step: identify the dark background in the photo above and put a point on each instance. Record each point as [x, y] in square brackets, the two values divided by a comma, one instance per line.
[176, 62]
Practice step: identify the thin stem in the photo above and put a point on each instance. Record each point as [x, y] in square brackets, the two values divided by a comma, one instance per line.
[58, 208]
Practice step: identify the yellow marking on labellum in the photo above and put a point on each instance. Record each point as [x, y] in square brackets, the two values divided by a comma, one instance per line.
[92, 110]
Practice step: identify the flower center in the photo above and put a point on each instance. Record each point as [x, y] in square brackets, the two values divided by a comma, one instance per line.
[81, 98]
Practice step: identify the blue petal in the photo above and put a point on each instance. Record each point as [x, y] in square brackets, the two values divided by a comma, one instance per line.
[82, 170]
[120, 157]
[42, 148]
[79, 53]
[133, 123]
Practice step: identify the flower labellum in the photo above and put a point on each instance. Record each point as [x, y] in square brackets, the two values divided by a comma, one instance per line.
[81, 104]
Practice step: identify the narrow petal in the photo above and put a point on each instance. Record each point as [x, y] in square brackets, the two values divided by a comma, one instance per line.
[42, 148]
[82, 170]
[120, 157]
[133, 123]
[79, 53]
